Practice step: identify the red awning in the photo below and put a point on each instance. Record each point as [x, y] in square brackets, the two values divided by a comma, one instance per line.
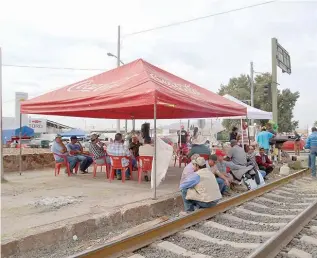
[129, 92]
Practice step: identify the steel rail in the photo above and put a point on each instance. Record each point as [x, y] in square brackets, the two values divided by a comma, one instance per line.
[131, 243]
[275, 244]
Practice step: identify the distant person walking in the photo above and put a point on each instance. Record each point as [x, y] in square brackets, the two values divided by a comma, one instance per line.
[297, 143]
[311, 144]
[263, 139]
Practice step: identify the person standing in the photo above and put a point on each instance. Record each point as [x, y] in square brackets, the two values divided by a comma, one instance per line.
[75, 149]
[233, 134]
[311, 144]
[297, 143]
[263, 139]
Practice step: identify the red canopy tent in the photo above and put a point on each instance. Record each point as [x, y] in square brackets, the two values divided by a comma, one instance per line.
[130, 92]
[137, 90]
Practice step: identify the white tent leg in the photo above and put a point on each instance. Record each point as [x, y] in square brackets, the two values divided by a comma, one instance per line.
[20, 137]
[154, 156]
[242, 132]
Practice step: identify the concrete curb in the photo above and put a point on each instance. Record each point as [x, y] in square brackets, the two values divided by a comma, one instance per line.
[54, 235]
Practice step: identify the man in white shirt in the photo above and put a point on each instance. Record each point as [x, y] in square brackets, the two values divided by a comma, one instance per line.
[147, 149]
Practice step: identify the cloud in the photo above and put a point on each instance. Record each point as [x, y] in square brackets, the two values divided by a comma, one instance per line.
[206, 52]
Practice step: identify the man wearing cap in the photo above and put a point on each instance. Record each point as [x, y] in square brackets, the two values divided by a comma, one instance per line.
[200, 189]
[59, 148]
[97, 150]
[75, 149]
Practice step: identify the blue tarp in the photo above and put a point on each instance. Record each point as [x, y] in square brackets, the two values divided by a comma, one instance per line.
[26, 131]
[76, 132]
[7, 134]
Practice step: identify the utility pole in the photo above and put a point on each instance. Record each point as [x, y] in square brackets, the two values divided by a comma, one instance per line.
[274, 80]
[118, 65]
[1, 142]
[252, 86]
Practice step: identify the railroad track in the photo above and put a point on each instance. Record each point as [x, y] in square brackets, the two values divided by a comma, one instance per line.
[255, 224]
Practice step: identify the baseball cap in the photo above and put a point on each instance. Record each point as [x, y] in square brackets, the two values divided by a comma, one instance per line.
[58, 136]
[200, 161]
[94, 136]
[74, 137]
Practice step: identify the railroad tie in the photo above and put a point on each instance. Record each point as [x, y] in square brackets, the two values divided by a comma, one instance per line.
[296, 253]
[238, 231]
[234, 218]
[168, 246]
[309, 240]
[263, 214]
[203, 237]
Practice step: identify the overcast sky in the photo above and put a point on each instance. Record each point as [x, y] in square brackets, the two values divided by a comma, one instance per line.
[206, 52]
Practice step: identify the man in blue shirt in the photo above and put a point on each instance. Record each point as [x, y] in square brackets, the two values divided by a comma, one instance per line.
[311, 144]
[59, 150]
[263, 139]
[75, 149]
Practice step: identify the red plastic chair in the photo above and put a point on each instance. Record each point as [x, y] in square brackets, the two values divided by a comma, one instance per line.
[58, 165]
[144, 165]
[116, 163]
[101, 165]
[205, 156]
[182, 156]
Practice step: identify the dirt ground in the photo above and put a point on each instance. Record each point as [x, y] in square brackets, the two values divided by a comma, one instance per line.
[38, 197]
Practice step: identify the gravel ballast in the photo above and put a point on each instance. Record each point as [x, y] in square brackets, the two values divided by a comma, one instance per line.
[245, 226]
[151, 252]
[279, 206]
[269, 210]
[256, 218]
[229, 236]
[208, 248]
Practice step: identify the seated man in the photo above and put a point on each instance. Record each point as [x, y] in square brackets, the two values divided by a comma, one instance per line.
[237, 154]
[59, 148]
[96, 148]
[117, 148]
[222, 180]
[264, 162]
[199, 146]
[200, 189]
[222, 166]
[252, 160]
[75, 149]
[134, 146]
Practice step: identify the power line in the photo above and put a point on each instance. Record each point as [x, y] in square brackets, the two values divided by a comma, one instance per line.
[53, 68]
[198, 18]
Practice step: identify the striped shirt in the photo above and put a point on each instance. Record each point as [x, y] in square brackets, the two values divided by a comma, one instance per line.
[96, 150]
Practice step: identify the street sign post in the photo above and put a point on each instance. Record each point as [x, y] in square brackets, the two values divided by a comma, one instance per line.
[280, 58]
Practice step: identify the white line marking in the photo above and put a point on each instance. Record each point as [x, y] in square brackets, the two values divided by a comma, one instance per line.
[309, 240]
[296, 253]
[203, 237]
[238, 231]
[168, 246]
[263, 214]
[234, 218]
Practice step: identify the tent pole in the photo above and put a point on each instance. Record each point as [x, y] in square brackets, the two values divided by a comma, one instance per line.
[20, 141]
[154, 156]
[1, 142]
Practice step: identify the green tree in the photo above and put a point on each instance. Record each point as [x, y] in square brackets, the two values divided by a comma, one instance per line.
[239, 87]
